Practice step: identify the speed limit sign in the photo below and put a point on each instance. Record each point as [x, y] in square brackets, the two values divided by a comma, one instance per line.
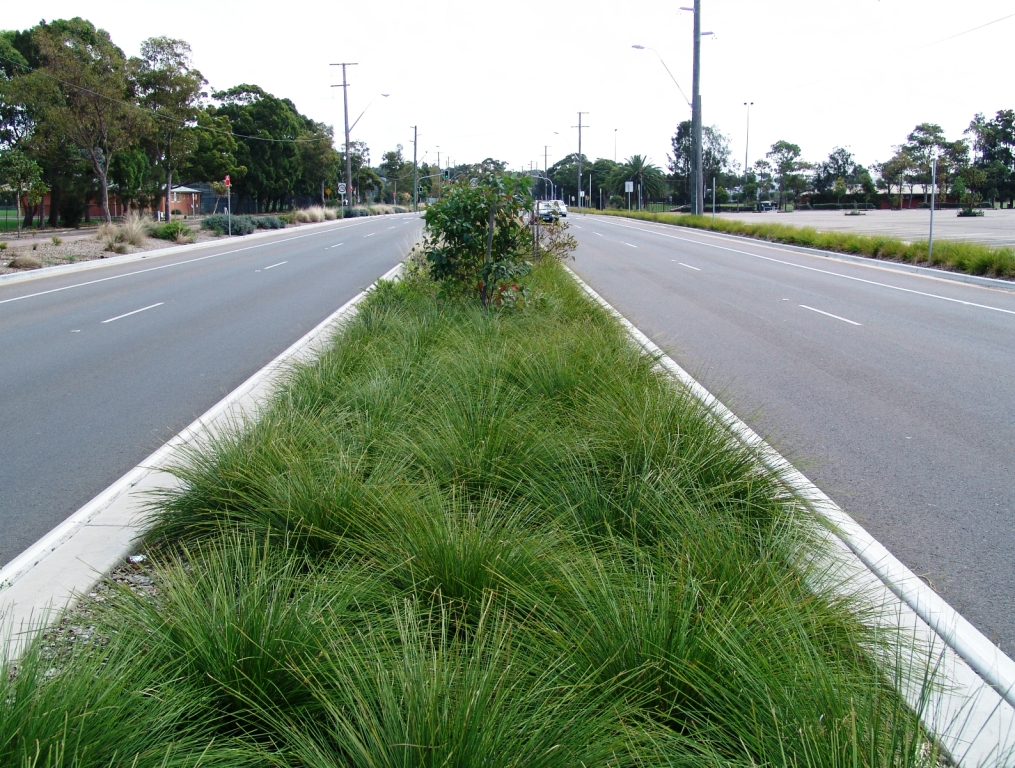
[341, 188]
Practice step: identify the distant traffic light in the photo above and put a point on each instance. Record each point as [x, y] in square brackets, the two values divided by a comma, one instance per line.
[447, 173]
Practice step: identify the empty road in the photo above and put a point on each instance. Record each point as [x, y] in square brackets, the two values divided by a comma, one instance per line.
[99, 368]
[893, 392]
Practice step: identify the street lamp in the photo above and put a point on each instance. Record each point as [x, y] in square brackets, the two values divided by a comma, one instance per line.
[699, 196]
[645, 48]
[747, 144]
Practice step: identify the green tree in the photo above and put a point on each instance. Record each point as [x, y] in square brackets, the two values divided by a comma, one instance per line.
[894, 172]
[994, 147]
[214, 152]
[715, 158]
[318, 159]
[786, 160]
[169, 87]
[397, 173]
[22, 175]
[923, 143]
[266, 129]
[94, 106]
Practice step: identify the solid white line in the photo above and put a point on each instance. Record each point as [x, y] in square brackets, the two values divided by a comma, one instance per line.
[696, 269]
[822, 271]
[630, 246]
[829, 314]
[128, 314]
[275, 265]
[174, 264]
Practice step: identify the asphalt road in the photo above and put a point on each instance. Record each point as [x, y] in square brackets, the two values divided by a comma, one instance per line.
[894, 393]
[99, 368]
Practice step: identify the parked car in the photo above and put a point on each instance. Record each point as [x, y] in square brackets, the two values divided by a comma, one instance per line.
[766, 205]
[561, 207]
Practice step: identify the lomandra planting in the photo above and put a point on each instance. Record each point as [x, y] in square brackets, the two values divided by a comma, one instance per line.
[472, 537]
[971, 258]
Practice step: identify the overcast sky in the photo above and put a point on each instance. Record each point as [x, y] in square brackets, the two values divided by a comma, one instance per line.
[498, 79]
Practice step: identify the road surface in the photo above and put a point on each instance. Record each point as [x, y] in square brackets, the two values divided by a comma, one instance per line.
[894, 393]
[99, 368]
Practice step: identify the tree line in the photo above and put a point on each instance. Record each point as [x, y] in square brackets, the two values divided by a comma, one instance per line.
[79, 119]
[977, 167]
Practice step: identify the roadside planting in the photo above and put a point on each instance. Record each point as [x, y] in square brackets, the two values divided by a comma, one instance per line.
[970, 258]
[470, 536]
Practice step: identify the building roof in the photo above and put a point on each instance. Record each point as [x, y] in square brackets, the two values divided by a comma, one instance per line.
[186, 189]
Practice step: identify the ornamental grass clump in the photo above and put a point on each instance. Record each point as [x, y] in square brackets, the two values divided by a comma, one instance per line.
[475, 537]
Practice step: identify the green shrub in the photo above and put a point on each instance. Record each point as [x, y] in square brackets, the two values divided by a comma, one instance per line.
[357, 211]
[3, 246]
[55, 240]
[219, 224]
[269, 222]
[400, 209]
[176, 231]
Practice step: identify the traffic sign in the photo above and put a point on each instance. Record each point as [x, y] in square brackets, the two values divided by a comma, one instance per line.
[341, 188]
[629, 186]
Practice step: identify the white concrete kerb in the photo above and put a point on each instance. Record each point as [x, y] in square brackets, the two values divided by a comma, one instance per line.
[41, 581]
[970, 709]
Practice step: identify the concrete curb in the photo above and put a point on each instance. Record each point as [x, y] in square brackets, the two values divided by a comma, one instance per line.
[41, 581]
[869, 261]
[84, 266]
[971, 712]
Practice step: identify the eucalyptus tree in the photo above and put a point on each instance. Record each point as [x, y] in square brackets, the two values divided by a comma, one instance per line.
[785, 158]
[170, 89]
[92, 99]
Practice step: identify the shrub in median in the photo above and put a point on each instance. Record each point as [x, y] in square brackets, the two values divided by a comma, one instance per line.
[176, 231]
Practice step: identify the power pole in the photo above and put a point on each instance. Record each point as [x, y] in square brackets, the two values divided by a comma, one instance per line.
[415, 171]
[345, 98]
[579, 127]
[699, 191]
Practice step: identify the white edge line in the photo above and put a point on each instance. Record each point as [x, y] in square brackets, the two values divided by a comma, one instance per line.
[270, 374]
[985, 662]
[128, 314]
[696, 269]
[829, 314]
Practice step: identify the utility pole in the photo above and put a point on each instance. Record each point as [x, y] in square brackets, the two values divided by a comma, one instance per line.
[699, 192]
[747, 142]
[933, 191]
[579, 127]
[345, 99]
[415, 171]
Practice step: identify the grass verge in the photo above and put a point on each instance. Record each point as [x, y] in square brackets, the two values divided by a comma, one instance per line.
[471, 538]
[970, 258]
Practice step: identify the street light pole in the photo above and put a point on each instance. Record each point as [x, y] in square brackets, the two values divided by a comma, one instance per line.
[933, 190]
[579, 127]
[747, 143]
[345, 99]
[699, 192]
[415, 169]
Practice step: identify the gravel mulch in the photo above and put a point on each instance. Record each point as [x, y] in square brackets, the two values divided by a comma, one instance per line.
[70, 251]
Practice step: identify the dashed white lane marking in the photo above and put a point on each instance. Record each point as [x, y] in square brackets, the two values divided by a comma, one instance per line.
[829, 314]
[128, 314]
[275, 265]
[696, 269]
[597, 234]
[822, 271]
[370, 235]
[334, 246]
[77, 330]
[390, 227]
[630, 246]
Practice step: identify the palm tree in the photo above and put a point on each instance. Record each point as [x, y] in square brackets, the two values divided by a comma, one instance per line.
[648, 178]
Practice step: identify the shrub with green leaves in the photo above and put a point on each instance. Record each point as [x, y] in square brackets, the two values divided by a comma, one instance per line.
[357, 211]
[269, 222]
[475, 236]
[219, 224]
[174, 230]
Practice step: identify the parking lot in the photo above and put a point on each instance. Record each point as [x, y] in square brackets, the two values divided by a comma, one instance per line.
[995, 227]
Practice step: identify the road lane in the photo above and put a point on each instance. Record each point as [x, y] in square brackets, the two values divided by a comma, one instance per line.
[99, 368]
[906, 419]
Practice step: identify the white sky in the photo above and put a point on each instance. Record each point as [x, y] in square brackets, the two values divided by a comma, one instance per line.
[498, 79]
